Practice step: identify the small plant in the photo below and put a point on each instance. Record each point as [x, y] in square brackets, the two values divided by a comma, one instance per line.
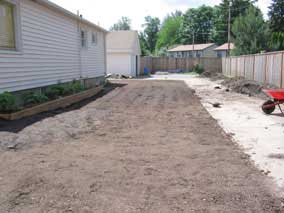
[107, 83]
[198, 69]
[60, 90]
[8, 103]
[55, 91]
[33, 98]
[77, 87]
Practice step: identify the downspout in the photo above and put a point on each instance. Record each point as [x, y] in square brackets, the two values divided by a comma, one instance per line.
[79, 46]
[105, 49]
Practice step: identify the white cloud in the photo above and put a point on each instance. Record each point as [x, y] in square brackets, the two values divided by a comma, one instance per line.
[263, 5]
[107, 12]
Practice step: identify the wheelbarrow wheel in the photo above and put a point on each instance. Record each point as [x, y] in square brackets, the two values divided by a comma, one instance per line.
[268, 110]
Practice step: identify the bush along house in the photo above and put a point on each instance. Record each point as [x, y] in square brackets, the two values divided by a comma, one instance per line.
[42, 44]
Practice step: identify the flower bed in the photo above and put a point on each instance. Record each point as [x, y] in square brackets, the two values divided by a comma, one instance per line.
[61, 102]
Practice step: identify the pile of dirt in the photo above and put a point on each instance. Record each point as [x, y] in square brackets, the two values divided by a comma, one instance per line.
[247, 87]
[213, 75]
[70, 125]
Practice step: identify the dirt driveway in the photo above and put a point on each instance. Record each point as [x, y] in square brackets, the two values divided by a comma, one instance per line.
[158, 150]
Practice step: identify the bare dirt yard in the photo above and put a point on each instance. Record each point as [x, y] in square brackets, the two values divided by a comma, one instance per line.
[147, 146]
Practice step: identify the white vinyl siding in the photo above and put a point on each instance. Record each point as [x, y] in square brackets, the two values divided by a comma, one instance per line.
[93, 57]
[50, 51]
[7, 26]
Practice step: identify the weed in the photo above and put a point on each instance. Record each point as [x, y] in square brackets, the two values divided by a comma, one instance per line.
[8, 103]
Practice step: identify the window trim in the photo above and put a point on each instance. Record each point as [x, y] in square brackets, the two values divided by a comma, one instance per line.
[17, 29]
[86, 39]
[94, 35]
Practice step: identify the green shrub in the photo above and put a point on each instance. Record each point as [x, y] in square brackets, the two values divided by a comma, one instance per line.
[8, 103]
[198, 69]
[34, 98]
[56, 91]
[77, 87]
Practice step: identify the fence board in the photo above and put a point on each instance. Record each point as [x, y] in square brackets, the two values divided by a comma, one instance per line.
[155, 64]
[264, 68]
[260, 69]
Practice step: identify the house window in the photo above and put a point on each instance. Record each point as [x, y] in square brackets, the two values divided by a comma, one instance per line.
[7, 26]
[94, 38]
[83, 39]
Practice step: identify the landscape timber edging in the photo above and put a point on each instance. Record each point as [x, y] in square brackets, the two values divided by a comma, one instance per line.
[52, 105]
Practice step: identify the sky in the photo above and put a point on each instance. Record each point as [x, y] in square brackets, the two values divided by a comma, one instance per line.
[107, 12]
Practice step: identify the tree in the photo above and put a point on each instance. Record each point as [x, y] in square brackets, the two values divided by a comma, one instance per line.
[197, 21]
[238, 8]
[123, 24]
[169, 33]
[276, 15]
[276, 24]
[251, 32]
[152, 27]
[143, 44]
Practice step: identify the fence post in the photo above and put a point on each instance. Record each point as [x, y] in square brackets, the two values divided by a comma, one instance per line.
[176, 64]
[265, 71]
[230, 59]
[244, 66]
[253, 68]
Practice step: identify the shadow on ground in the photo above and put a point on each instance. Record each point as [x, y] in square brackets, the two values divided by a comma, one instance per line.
[18, 125]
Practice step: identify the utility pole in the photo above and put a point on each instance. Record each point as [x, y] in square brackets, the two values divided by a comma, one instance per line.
[229, 29]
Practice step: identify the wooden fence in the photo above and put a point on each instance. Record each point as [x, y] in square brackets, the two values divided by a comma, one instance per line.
[155, 64]
[266, 68]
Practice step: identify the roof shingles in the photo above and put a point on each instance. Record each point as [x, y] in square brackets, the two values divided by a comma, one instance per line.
[197, 47]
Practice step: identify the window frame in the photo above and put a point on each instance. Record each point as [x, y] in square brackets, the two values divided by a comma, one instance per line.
[86, 38]
[17, 29]
[94, 35]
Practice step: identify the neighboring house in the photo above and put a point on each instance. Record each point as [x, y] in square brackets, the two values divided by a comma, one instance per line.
[123, 53]
[223, 50]
[193, 51]
[43, 44]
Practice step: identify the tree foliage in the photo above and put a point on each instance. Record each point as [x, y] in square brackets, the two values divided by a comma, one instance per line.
[251, 32]
[276, 24]
[169, 33]
[276, 14]
[143, 44]
[197, 21]
[238, 8]
[277, 41]
[152, 28]
[123, 24]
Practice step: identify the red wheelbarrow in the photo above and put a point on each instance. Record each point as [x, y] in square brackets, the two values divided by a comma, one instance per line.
[277, 99]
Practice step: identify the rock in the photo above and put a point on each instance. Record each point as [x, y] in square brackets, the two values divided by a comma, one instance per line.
[217, 87]
[216, 105]
[12, 146]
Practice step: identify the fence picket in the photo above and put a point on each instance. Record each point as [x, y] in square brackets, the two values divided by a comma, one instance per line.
[265, 68]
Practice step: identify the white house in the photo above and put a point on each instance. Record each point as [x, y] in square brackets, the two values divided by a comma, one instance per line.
[43, 44]
[123, 53]
[223, 50]
[193, 51]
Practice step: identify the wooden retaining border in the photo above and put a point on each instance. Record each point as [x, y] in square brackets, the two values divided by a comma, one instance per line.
[52, 105]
